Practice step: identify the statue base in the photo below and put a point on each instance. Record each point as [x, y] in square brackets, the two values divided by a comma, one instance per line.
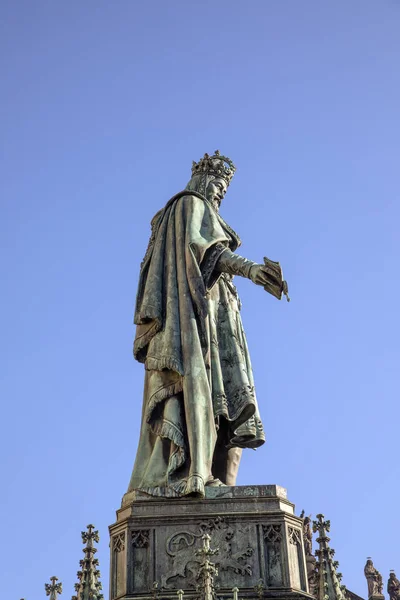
[258, 537]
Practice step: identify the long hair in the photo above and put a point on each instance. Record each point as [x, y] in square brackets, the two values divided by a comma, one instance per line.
[199, 183]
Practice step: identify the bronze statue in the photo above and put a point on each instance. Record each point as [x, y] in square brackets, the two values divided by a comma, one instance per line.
[374, 579]
[199, 405]
[393, 586]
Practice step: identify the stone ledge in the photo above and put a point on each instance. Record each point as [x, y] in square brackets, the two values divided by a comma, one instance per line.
[254, 527]
[278, 593]
[235, 500]
[238, 491]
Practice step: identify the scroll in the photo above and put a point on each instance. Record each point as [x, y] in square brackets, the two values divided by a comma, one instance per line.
[276, 284]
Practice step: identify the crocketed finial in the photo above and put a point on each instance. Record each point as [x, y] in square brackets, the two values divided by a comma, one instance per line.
[207, 570]
[53, 588]
[89, 586]
[328, 580]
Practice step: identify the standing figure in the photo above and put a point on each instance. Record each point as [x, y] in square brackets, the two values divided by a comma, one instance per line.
[393, 586]
[199, 404]
[374, 579]
[307, 534]
[311, 562]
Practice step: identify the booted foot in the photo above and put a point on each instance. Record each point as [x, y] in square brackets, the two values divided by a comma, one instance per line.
[215, 483]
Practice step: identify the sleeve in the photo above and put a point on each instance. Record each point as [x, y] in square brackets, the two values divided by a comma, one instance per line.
[208, 266]
[232, 263]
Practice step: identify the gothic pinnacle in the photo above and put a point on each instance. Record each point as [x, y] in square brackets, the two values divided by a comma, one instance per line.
[53, 588]
[207, 570]
[89, 586]
[328, 587]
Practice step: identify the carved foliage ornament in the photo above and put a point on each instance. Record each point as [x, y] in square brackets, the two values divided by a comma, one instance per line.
[294, 536]
[90, 536]
[53, 588]
[140, 538]
[272, 533]
[119, 542]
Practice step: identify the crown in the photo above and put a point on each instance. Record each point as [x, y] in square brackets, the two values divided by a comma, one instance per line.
[217, 165]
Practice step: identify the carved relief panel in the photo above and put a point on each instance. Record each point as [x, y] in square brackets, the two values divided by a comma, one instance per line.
[118, 566]
[236, 559]
[296, 562]
[140, 560]
[272, 535]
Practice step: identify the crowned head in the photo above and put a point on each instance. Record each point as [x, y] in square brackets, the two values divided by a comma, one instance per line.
[216, 165]
[211, 177]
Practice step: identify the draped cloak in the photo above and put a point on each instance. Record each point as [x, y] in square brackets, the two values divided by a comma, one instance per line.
[199, 384]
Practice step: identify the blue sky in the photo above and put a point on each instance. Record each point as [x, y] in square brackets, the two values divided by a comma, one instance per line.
[104, 106]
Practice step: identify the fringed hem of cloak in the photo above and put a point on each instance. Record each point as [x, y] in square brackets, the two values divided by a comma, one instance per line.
[153, 363]
[166, 429]
[169, 431]
[141, 342]
[161, 395]
[192, 485]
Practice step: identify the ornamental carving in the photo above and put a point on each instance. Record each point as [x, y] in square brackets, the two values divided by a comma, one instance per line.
[119, 542]
[140, 538]
[233, 555]
[272, 533]
[294, 536]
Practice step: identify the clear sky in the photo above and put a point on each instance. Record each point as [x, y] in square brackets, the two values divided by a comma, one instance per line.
[104, 104]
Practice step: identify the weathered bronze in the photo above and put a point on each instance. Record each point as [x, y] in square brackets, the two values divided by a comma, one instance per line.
[199, 405]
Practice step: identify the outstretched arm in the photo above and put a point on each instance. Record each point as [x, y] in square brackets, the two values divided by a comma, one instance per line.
[269, 278]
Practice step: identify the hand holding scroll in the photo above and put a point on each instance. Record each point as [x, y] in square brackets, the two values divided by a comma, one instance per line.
[270, 276]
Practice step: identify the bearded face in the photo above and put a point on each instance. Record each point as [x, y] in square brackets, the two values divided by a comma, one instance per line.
[216, 190]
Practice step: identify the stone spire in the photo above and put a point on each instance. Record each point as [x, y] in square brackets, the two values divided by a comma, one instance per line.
[89, 586]
[53, 588]
[328, 580]
[207, 570]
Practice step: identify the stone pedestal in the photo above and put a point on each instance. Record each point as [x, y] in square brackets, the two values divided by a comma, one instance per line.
[254, 528]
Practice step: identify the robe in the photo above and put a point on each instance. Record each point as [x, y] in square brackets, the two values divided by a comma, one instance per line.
[199, 389]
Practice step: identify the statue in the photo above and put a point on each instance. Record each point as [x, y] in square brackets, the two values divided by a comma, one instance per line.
[307, 534]
[311, 562]
[374, 579]
[393, 586]
[199, 405]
